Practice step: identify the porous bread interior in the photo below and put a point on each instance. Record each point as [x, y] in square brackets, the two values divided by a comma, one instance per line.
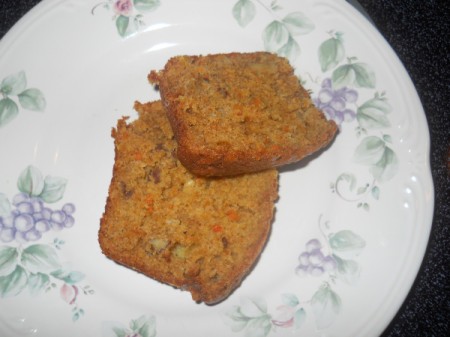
[239, 112]
[198, 234]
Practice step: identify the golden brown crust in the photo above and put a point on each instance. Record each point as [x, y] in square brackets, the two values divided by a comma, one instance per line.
[198, 234]
[239, 112]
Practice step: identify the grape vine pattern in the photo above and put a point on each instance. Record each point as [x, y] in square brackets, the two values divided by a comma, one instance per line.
[24, 221]
[334, 259]
[313, 261]
[331, 262]
[31, 219]
[253, 317]
[28, 217]
[338, 98]
[335, 102]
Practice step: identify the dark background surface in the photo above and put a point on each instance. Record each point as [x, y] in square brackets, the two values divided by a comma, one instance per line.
[419, 32]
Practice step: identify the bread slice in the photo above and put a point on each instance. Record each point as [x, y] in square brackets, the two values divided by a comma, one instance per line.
[198, 234]
[239, 112]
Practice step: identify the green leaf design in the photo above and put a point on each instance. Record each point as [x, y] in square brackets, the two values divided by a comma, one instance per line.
[8, 110]
[146, 5]
[387, 139]
[14, 283]
[275, 36]
[345, 241]
[235, 319]
[375, 192]
[298, 23]
[349, 178]
[290, 300]
[331, 53]
[38, 282]
[252, 316]
[370, 151]
[362, 189]
[372, 119]
[145, 326]
[299, 318]
[372, 114]
[114, 329]
[14, 84]
[353, 74]
[120, 332]
[69, 277]
[32, 99]
[8, 260]
[54, 188]
[122, 24]
[31, 181]
[274, 6]
[382, 160]
[40, 258]
[244, 12]
[343, 76]
[77, 314]
[290, 50]
[259, 327]
[379, 103]
[364, 76]
[347, 270]
[387, 167]
[326, 305]
[5, 206]
[253, 307]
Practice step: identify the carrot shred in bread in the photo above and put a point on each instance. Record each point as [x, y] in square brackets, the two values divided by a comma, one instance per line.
[197, 234]
[239, 112]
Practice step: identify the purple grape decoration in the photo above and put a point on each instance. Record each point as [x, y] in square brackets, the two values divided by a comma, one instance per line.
[312, 260]
[31, 218]
[333, 103]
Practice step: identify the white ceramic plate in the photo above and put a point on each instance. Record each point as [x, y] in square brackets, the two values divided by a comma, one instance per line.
[70, 69]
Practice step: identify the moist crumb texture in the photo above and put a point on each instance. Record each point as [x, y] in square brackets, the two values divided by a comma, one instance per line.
[199, 234]
[239, 112]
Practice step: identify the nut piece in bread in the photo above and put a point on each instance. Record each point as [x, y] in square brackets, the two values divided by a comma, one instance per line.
[239, 112]
[202, 235]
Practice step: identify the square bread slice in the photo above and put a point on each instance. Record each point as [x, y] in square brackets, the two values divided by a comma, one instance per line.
[239, 112]
[198, 234]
